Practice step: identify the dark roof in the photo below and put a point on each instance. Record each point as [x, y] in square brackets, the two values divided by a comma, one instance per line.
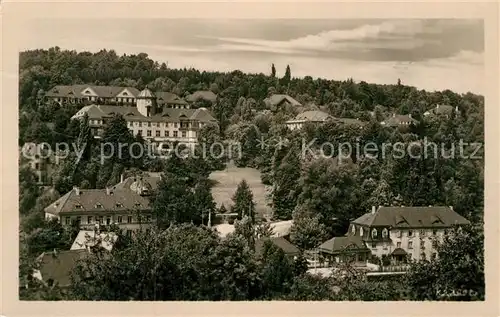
[133, 182]
[398, 251]
[202, 95]
[164, 97]
[441, 109]
[399, 119]
[98, 200]
[76, 91]
[339, 244]
[412, 217]
[280, 242]
[313, 115]
[58, 266]
[131, 113]
[277, 99]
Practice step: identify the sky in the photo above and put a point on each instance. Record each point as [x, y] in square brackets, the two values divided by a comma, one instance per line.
[431, 54]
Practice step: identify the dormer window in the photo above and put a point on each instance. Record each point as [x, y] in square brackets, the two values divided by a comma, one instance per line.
[98, 206]
[125, 93]
[374, 233]
[119, 205]
[385, 233]
[87, 92]
[78, 206]
[137, 205]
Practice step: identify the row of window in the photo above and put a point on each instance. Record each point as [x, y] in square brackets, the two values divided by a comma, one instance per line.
[398, 245]
[158, 124]
[100, 220]
[399, 233]
[166, 133]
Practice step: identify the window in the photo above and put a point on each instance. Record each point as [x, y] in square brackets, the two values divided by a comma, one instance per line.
[183, 134]
[139, 132]
[167, 133]
[385, 246]
[385, 233]
[98, 206]
[129, 219]
[360, 231]
[353, 229]
[125, 93]
[157, 133]
[398, 245]
[108, 220]
[149, 133]
[410, 245]
[175, 134]
[175, 124]
[137, 205]
[374, 245]
[400, 233]
[422, 233]
[78, 220]
[90, 220]
[37, 166]
[374, 233]
[129, 233]
[140, 124]
[410, 233]
[119, 205]
[78, 206]
[149, 124]
[67, 220]
[434, 232]
[120, 219]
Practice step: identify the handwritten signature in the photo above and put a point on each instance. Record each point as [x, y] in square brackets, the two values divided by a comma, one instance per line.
[457, 293]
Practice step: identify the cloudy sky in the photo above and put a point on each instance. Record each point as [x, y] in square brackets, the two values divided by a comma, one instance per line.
[430, 54]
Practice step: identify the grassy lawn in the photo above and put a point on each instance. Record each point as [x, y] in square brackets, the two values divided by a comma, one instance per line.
[227, 180]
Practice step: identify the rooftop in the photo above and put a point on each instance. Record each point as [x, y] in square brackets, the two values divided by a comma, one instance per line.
[280, 242]
[412, 217]
[132, 114]
[98, 200]
[277, 99]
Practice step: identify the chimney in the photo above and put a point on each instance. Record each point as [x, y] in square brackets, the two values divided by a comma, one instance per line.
[409, 115]
[451, 207]
[437, 106]
[122, 177]
[109, 191]
[393, 115]
[373, 210]
[77, 190]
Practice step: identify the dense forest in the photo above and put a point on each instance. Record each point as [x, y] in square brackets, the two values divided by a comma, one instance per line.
[320, 194]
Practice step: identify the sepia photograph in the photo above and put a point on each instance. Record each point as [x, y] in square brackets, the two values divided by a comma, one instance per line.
[256, 159]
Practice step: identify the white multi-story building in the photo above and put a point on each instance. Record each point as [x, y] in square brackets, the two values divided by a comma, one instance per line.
[400, 233]
[155, 122]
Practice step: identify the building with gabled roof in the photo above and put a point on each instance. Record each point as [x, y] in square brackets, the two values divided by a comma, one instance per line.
[277, 101]
[439, 109]
[55, 268]
[92, 93]
[400, 121]
[89, 208]
[400, 233]
[288, 248]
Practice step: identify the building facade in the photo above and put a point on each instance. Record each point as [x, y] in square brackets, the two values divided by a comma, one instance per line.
[405, 233]
[400, 121]
[128, 207]
[154, 121]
